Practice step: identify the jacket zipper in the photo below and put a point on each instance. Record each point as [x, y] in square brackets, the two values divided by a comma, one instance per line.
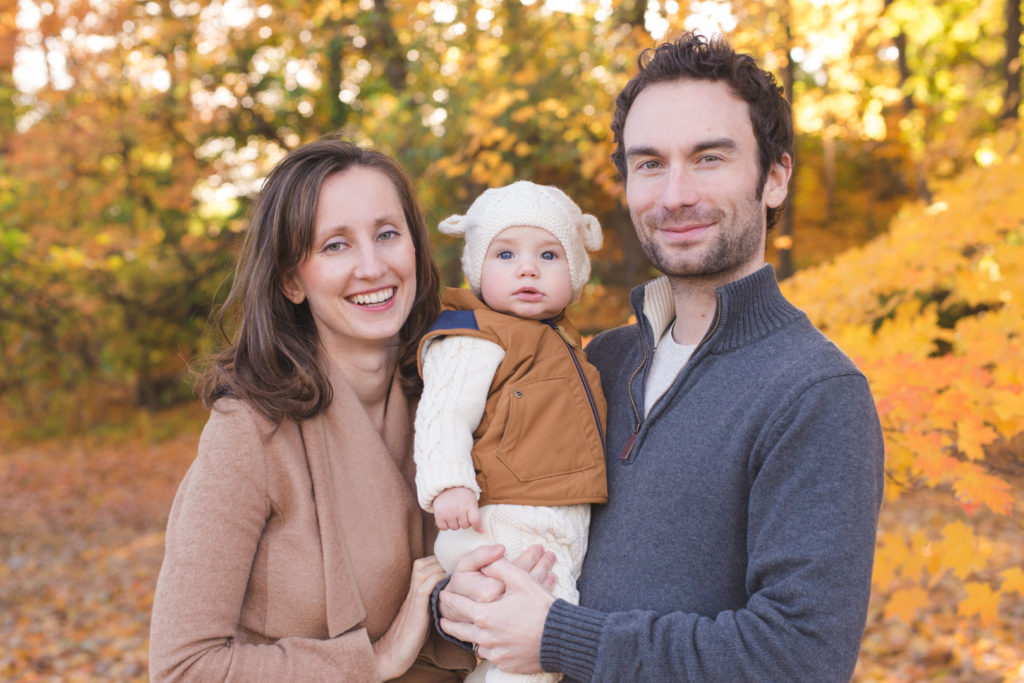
[628, 448]
[624, 455]
[586, 385]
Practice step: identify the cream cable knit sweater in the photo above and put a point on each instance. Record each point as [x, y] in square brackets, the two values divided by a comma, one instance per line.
[457, 372]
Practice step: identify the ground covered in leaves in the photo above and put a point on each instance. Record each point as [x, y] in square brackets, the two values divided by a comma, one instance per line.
[81, 540]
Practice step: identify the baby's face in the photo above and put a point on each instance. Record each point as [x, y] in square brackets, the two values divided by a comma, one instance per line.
[525, 274]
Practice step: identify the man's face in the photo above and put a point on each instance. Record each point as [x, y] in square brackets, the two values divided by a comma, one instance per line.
[693, 181]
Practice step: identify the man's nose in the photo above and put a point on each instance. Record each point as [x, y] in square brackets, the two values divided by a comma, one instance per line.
[679, 189]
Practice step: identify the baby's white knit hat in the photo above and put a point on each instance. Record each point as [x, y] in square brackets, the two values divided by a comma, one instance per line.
[526, 203]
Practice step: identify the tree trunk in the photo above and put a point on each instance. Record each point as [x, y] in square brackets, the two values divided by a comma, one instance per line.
[784, 238]
[900, 41]
[1011, 61]
[394, 58]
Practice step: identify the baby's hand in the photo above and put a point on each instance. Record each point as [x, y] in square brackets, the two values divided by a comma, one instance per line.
[456, 508]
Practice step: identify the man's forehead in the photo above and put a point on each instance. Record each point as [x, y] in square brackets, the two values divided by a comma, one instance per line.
[687, 109]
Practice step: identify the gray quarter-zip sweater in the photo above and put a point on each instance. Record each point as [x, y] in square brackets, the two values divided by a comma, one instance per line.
[738, 538]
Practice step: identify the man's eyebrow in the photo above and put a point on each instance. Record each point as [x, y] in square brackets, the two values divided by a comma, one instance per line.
[720, 143]
[641, 151]
[703, 146]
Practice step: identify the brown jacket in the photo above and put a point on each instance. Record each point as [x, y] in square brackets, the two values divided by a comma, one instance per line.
[541, 438]
[289, 552]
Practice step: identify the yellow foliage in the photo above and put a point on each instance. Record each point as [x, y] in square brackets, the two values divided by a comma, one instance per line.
[959, 549]
[933, 313]
[981, 602]
[905, 603]
[1013, 580]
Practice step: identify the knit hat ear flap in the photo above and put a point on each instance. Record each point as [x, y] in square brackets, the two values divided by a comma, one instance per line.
[453, 225]
[590, 228]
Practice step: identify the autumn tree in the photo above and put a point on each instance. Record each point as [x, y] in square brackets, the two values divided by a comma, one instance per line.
[933, 312]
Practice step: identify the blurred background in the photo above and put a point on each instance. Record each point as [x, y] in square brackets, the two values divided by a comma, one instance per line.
[134, 134]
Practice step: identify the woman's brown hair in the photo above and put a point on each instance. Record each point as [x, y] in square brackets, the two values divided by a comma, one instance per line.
[272, 359]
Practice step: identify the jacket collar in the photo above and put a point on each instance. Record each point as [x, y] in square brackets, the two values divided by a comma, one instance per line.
[747, 309]
[455, 298]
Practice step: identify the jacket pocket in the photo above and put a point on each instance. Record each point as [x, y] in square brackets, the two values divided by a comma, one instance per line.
[549, 430]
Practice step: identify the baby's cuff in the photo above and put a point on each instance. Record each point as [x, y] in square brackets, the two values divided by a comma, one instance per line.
[434, 478]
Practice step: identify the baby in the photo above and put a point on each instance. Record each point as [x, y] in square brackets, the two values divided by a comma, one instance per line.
[510, 428]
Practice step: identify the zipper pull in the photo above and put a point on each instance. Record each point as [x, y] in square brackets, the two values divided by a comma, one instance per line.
[628, 447]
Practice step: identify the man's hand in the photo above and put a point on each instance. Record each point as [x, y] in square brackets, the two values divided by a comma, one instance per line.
[456, 508]
[500, 605]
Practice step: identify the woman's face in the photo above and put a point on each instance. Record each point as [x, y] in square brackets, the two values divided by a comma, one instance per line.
[359, 278]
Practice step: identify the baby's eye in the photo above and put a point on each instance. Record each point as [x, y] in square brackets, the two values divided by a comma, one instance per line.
[505, 254]
[549, 256]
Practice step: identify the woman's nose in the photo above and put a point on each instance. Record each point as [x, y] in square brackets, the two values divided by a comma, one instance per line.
[370, 266]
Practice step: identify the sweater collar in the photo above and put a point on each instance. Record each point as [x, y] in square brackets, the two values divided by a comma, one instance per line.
[747, 309]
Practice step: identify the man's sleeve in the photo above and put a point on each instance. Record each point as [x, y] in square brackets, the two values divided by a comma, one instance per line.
[812, 516]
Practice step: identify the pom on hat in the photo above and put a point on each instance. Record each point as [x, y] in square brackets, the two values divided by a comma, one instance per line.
[526, 203]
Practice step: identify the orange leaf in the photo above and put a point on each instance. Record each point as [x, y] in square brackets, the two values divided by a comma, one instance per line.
[981, 602]
[905, 603]
[958, 551]
[934, 465]
[1013, 580]
[972, 435]
[974, 487]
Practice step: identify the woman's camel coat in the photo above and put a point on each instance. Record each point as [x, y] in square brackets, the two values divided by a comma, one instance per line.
[289, 552]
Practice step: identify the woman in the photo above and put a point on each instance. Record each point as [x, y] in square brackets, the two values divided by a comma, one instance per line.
[292, 543]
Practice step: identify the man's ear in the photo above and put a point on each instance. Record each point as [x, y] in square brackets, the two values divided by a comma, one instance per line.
[776, 185]
[291, 288]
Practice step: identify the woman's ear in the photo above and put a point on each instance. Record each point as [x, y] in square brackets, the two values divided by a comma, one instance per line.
[292, 288]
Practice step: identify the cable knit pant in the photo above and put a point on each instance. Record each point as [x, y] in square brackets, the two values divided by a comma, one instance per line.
[561, 529]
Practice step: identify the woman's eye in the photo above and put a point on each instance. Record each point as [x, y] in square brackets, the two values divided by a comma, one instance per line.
[334, 246]
[388, 234]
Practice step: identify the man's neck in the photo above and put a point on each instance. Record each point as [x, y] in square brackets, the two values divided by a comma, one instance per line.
[695, 308]
[695, 302]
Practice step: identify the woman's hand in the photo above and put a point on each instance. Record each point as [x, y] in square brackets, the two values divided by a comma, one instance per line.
[397, 649]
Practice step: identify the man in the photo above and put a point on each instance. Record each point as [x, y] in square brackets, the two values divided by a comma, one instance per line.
[744, 450]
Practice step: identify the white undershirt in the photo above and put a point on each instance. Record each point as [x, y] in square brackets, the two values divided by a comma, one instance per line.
[669, 359]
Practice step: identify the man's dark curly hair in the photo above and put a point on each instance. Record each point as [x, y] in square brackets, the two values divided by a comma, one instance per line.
[693, 56]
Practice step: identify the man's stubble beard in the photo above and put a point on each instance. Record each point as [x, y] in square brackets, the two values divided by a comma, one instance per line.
[726, 251]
